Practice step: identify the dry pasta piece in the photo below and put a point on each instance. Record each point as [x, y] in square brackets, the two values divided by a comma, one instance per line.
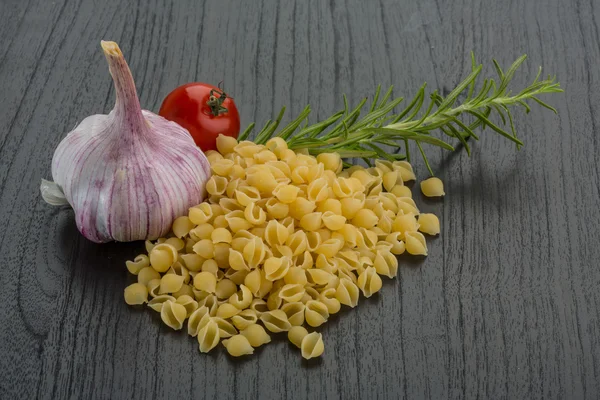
[365, 218]
[163, 256]
[238, 345]
[213, 156]
[208, 336]
[153, 287]
[242, 298]
[226, 144]
[222, 167]
[311, 221]
[324, 264]
[226, 328]
[186, 290]
[237, 261]
[397, 244]
[253, 281]
[208, 300]
[405, 223]
[157, 302]
[225, 288]
[202, 231]
[407, 205]
[415, 243]
[295, 275]
[277, 209]
[342, 188]
[254, 252]
[247, 149]
[256, 335]
[254, 214]
[273, 300]
[136, 293]
[197, 321]
[369, 282]
[188, 303]
[236, 277]
[317, 190]
[276, 267]
[312, 345]
[216, 185]
[405, 170]
[391, 179]
[331, 161]
[384, 166]
[147, 274]
[300, 207]
[313, 240]
[246, 195]
[206, 281]
[429, 224]
[386, 263]
[432, 187]
[310, 294]
[211, 266]
[286, 193]
[277, 145]
[222, 254]
[170, 283]
[385, 224]
[229, 205]
[261, 177]
[318, 276]
[200, 214]
[315, 313]
[276, 233]
[329, 248]
[139, 262]
[291, 293]
[205, 248]
[351, 205]
[221, 235]
[296, 334]
[367, 238]
[401, 191]
[280, 169]
[259, 306]
[328, 298]
[299, 174]
[236, 221]
[275, 321]
[227, 310]
[173, 314]
[297, 242]
[264, 156]
[244, 319]
[193, 261]
[347, 293]
[294, 312]
[304, 260]
[333, 221]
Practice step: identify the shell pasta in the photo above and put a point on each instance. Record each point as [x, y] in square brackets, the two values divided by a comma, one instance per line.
[283, 242]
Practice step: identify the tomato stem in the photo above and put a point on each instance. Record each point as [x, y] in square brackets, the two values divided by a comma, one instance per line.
[215, 102]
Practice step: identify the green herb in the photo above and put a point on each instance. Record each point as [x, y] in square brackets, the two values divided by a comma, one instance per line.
[351, 135]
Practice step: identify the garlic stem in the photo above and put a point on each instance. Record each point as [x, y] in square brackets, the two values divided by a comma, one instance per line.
[127, 106]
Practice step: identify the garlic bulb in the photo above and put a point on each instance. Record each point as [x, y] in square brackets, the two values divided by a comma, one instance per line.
[127, 174]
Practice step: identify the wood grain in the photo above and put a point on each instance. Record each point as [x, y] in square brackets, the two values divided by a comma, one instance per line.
[504, 307]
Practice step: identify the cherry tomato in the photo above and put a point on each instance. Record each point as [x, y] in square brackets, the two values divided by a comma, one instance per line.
[204, 110]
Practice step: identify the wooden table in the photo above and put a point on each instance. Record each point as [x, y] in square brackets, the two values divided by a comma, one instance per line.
[506, 304]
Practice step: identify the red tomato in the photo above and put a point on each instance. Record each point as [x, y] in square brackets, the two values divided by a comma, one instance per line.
[204, 110]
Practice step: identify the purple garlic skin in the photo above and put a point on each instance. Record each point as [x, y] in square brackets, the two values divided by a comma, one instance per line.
[129, 174]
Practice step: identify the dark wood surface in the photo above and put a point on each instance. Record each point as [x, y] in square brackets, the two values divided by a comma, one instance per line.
[504, 307]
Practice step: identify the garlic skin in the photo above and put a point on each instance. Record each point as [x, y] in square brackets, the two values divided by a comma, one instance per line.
[129, 174]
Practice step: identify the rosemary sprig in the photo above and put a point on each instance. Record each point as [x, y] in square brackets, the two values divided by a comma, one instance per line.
[351, 135]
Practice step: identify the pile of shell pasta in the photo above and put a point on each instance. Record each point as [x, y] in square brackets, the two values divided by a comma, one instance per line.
[283, 242]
